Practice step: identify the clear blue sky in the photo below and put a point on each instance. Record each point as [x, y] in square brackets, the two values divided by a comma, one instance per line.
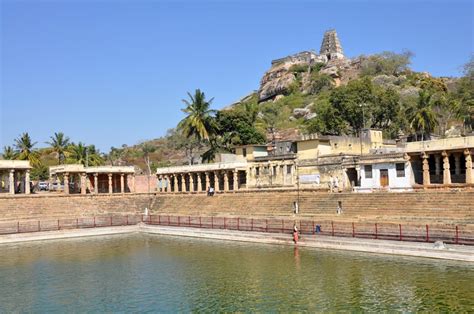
[114, 72]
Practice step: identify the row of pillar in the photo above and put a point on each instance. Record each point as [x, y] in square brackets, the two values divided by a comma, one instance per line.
[84, 178]
[166, 182]
[11, 182]
[446, 167]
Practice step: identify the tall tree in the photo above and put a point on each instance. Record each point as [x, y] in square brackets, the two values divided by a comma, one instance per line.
[115, 155]
[199, 121]
[59, 144]
[421, 116]
[85, 155]
[25, 151]
[8, 153]
[463, 105]
[146, 150]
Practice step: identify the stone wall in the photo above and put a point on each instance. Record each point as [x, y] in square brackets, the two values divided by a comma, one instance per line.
[141, 183]
[454, 207]
[71, 206]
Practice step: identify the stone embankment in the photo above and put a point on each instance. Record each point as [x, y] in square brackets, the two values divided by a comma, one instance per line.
[450, 252]
[432, 207]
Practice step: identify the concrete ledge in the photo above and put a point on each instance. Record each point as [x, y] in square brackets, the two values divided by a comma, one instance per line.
[452, 252]
[65, 234]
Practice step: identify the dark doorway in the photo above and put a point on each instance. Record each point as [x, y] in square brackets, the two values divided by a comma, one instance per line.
[353, 177]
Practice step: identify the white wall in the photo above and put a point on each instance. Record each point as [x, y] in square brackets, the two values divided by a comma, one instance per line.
[393, 181]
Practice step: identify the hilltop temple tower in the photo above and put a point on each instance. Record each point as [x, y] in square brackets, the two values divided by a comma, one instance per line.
[331, 47]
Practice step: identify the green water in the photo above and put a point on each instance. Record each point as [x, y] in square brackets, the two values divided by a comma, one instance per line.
[140, 273]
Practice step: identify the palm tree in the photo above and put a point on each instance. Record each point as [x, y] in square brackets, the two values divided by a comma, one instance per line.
[94, 156]
[8, 153]
[421, 116]
[199, 121]
[59, 144]
[24, 150]
[85, 155]
[77, 153]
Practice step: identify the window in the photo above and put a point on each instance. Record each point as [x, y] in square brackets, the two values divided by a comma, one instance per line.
[257, 171]
[274, 171]
[244, 152]
[288, 169]
[368, 171]
[400, 170]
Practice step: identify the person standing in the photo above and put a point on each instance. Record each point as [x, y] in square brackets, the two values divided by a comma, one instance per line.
[295, 234]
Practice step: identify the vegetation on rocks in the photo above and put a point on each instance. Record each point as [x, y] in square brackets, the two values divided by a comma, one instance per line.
[385, 94]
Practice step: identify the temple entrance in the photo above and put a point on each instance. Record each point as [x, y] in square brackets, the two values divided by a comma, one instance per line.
[352, 177]
[383, 177]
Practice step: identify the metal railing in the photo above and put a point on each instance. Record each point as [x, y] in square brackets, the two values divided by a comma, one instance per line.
[454, 234]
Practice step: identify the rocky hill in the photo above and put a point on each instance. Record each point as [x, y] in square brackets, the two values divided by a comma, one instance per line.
[326, 93]
[329, 93]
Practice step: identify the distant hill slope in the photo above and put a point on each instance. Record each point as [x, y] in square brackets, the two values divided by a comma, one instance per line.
[327, 93]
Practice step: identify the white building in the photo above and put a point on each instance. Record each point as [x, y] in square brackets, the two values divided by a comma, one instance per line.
[392, 172]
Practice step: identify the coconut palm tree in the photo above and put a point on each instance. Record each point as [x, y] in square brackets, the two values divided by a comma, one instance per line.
[24, 150]
[85, 155]
[421, 116]
[8, 153]
[59, 144]
[199, 121]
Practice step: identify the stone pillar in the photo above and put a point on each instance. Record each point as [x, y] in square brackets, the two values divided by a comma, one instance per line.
[457, 164]
[248, 176]
[446, 170]
[88, 183]
[437, 164]
[96, 183]
[191, 182]
[226, 181]
[199, 183]
[161, 183]
[236, 180]
[216, 181]
[66, 183]
[284, 173]
[469, 172]
[176, 190]
[27, 182]
[426, 170]
[133, 183]
[122, 183]
[83, 183]
[183, 182]
[167, 180]
[12, 181]
[110, 183]
[208, 181]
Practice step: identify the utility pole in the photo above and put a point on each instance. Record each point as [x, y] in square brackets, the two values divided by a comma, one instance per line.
[87, 157]
[362, 128]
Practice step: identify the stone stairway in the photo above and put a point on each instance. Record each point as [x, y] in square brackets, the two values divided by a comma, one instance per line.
[415, 207]
[431, 207]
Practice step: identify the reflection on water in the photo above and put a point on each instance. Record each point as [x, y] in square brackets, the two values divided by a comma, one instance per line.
[156, 273]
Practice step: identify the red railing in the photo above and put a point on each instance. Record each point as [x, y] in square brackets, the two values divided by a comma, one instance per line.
[69, 223]
[454, 234]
